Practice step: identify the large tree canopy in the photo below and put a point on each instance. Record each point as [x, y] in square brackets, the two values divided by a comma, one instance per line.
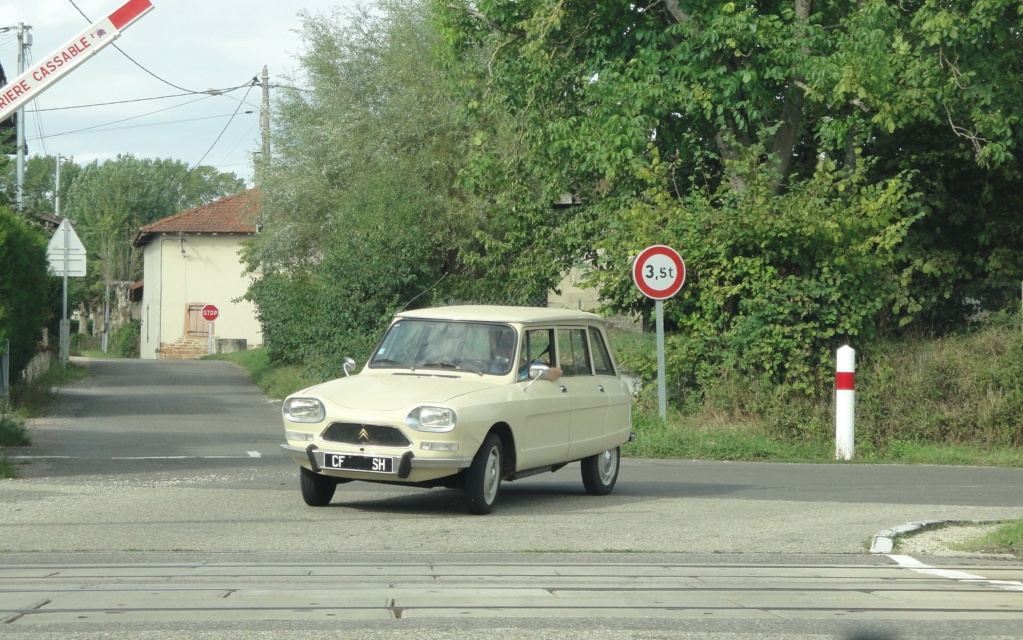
[360, 213]
[111, 200]
[827, 169]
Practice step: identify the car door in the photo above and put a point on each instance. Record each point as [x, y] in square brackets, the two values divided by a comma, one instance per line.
[618, 426]
[589, 401]
[544, 436]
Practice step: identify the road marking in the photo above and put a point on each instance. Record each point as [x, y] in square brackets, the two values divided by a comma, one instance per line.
[254, 454]
[913, 564]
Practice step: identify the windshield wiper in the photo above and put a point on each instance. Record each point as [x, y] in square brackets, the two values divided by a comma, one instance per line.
[438, 365]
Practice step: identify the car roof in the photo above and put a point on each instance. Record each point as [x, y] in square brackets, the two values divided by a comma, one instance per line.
[497, 313]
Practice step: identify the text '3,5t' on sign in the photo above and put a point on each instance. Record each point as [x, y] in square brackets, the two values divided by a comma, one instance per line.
[659, 272]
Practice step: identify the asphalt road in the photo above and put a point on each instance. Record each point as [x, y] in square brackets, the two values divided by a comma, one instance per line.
[156, 494]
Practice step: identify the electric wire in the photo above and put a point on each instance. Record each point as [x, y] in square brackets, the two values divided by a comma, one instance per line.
[210, 92]
[132, 60]
[105, 129]
[224, 130]
[187, 92]
[133, 117]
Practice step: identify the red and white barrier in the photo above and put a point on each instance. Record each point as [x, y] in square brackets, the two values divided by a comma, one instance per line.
[845, 403]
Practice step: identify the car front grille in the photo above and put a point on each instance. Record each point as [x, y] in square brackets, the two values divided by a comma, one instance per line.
[365, 434]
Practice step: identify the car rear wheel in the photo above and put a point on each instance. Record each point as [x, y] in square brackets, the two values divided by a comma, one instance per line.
[600, 472]
[317, 490]
[483, 479]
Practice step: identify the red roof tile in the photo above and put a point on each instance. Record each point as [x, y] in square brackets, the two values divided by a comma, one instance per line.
[233, 214]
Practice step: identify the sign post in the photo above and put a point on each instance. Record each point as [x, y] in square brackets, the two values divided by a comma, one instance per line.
[66, 256]
[659, 273]
[210, 313]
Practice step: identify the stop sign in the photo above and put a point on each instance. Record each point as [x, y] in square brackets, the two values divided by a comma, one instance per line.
[210, 312]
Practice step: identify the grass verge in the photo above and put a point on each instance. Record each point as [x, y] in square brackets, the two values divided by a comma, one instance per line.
[277, 382]
[1005, 539]
[12, 434]
[31, 400]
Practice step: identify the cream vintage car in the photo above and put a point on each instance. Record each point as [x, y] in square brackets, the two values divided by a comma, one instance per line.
[465, 397]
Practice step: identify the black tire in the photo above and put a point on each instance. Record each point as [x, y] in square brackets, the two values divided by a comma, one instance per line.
[600, 472]
[317, 490]
[483, 479]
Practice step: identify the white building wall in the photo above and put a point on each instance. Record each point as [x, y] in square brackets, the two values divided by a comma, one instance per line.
[203, 269]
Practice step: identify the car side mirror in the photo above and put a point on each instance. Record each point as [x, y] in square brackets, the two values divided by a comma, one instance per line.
[538, 371]
[348, 365]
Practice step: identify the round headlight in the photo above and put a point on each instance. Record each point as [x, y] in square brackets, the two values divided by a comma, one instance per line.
[304, 410]
[435, 419]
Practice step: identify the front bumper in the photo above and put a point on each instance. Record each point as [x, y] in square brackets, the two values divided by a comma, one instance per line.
[406, 463]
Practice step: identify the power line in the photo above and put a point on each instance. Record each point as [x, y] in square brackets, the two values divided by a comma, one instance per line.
[208, 92]
[106, 129]
[107, 124]
[224, 130]
[133, 61]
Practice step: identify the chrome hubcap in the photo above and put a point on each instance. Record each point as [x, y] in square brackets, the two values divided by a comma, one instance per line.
[492, 477]
[607, 465]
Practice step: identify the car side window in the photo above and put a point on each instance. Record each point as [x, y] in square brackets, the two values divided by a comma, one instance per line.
[601, 356]
[574, 352]
[538, 347]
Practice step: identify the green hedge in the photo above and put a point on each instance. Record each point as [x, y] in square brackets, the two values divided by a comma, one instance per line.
[24, 287]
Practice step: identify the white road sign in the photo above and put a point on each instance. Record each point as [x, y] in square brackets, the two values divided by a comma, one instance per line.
[65, 252]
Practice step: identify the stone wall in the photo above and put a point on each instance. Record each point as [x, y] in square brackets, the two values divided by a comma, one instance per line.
[186, 348]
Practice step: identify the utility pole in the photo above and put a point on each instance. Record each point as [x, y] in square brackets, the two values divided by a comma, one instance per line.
[264, 121]
[65, 324]
[24, 42]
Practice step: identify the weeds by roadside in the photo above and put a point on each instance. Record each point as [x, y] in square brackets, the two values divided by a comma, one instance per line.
[29, 401]
[1007, 538]
[276, 381]
[12, 434]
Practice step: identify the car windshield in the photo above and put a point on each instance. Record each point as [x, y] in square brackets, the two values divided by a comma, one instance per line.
[441, 344]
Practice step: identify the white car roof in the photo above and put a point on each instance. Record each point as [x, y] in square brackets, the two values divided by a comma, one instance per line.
[494, 313]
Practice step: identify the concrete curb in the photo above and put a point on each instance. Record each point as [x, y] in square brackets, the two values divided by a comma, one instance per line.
[884, 540]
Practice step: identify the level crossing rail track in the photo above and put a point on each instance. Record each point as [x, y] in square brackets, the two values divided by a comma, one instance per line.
[515, 588]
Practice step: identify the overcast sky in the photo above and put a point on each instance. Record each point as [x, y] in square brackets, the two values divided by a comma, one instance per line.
[195, 44]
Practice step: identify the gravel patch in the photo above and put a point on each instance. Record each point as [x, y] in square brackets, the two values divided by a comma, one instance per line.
[942, 541]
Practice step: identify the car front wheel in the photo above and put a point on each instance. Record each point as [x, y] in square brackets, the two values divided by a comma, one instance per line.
[483, 479]
[600, 472]
[317, 490]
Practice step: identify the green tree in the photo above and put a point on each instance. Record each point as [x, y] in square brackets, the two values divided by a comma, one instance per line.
[112, 200]
[40, 183]
[24, 287]
[775, 144]
[360, 212]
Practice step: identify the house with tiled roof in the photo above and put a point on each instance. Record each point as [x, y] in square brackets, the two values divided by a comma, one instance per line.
[192, 260]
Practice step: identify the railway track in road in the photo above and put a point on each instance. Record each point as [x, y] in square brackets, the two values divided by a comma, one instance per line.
[71, 594]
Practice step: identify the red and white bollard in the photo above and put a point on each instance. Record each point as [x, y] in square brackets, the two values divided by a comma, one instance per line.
[845, 403]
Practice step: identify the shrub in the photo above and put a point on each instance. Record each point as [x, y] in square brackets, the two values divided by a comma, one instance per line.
[24, 300]
[13, 433]
[125, 339]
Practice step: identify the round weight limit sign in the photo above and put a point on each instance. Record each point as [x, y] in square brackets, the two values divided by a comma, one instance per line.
[659, 272]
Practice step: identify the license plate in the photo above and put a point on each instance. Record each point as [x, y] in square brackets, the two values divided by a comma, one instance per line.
[349, 462]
